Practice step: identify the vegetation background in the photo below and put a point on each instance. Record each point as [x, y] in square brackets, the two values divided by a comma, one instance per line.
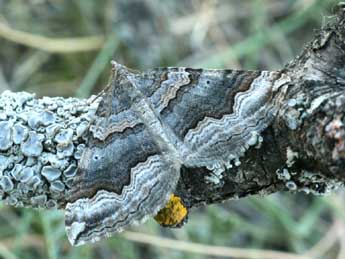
[63, 47]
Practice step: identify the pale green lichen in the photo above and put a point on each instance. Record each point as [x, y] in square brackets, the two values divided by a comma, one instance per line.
[41, 142]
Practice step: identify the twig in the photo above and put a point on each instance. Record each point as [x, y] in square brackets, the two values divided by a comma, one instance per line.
[220, 251]
[54, 45]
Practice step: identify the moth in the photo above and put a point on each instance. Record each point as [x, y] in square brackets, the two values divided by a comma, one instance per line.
[148, 124]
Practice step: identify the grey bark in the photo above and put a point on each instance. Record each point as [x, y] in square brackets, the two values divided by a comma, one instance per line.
[303, 149]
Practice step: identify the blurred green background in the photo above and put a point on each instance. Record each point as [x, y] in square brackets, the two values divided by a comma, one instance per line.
[63, 48]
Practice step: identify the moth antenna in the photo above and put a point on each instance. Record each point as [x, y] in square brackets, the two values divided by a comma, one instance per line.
[106, 88]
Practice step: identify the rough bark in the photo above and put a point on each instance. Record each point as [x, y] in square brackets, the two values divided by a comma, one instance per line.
[303, 149]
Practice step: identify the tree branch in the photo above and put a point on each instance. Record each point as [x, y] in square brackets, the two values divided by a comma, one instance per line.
[41, 143]
[302, 148]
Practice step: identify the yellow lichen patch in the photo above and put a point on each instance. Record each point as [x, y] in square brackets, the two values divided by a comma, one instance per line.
[173, 213]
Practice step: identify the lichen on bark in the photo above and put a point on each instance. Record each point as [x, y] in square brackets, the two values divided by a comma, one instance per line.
[302, 150]
[41, 143]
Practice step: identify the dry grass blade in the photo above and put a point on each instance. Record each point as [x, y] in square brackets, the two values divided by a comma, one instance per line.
[340, 233]
[5, 253]
[325, 243]
[30, 240]
[54, 45]
[209, 250]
